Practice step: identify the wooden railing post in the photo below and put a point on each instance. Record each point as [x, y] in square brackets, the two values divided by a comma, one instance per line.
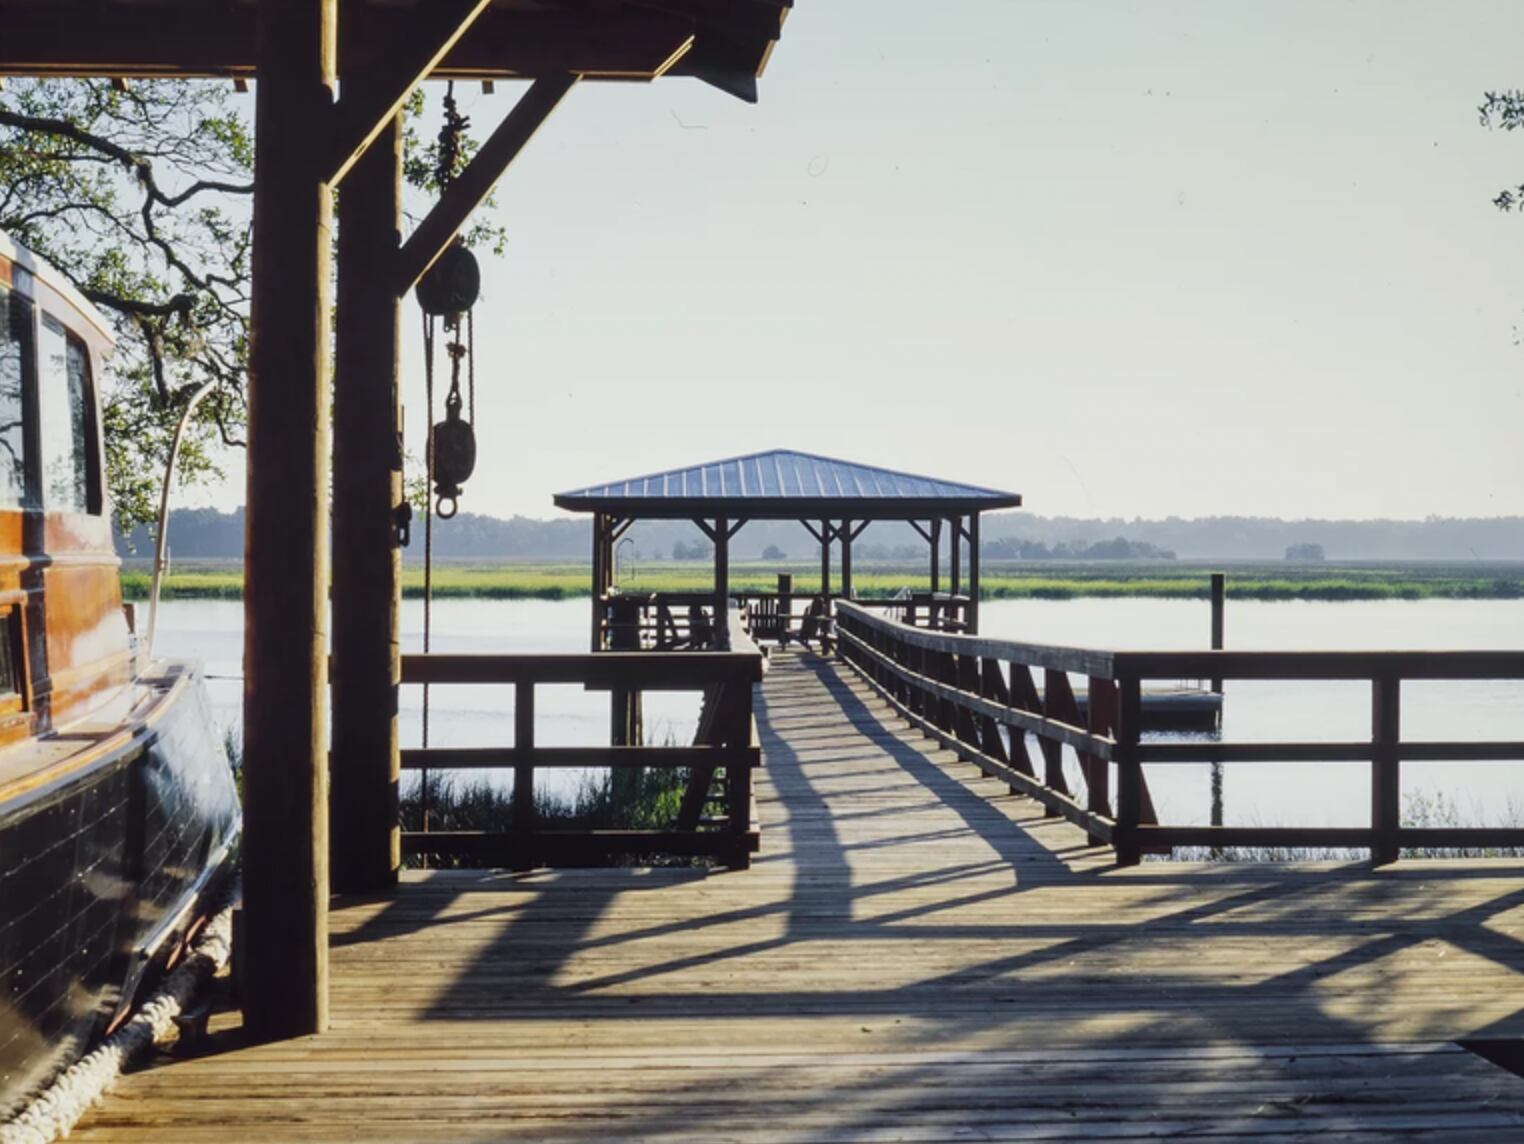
[522, 844]
[1130, 792]
[1386, 765]
[1219, 600]
[737, 734]
[1058, 704]
[1101, 720]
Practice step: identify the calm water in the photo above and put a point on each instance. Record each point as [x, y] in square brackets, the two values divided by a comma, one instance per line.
[1290, 794]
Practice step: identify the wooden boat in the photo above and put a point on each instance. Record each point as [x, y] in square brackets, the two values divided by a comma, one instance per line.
[118, 809]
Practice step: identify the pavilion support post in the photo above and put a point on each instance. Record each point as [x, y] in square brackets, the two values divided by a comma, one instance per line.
[722, 535]
[846, 559]
[955, 555]
[936, 557]
[973, 573]
[285, 850]
[365, 765]
[599, 583]
[825, 564]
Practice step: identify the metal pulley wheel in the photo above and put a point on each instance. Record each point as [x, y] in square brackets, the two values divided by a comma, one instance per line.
[452, 284]
[454, 456]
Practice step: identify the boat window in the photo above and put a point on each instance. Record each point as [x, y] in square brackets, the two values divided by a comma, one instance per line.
[10, 677]
[66, 422]
[15, 356]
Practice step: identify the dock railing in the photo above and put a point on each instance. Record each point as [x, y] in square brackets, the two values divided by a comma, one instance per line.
[726, 751]
[658, 621]
[964, 690]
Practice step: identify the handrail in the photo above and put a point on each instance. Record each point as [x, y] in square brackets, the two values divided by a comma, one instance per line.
[731, 749]
[963, 690]
[649, 671]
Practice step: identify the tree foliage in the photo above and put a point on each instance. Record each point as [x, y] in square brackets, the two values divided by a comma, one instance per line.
[142, 197]
[1504, 111]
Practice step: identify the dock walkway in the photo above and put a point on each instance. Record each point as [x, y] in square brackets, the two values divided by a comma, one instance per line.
[915, 956]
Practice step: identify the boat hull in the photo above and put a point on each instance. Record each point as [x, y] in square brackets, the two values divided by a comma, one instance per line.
[103, 863]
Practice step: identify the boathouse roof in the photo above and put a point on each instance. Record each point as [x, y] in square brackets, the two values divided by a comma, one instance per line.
[725, 43]
[788, 484]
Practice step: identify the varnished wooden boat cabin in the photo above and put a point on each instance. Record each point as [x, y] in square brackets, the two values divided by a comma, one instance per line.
[118, 811]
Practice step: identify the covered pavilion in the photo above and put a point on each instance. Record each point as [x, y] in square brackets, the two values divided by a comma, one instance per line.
[835, 500]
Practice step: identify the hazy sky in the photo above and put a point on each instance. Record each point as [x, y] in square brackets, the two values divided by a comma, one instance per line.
[1124, 258]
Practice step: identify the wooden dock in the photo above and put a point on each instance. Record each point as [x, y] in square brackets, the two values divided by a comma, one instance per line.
[914, 956]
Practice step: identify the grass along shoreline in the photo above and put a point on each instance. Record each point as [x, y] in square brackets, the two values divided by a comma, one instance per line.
[1001, 580]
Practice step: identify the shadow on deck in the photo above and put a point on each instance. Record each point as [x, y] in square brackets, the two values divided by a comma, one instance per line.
[915, 956]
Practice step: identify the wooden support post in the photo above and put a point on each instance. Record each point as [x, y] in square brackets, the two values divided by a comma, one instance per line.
[598, 581]
[1386, 768]
[1131, 792]
[825, 564]
[936, 565]
[738, 780]
[365, 765]
[722, 583]
[973, 574]
[285, 847]
[846, 535]
[785, 607]
[1219, 600]
[522, 856]
[955, 556]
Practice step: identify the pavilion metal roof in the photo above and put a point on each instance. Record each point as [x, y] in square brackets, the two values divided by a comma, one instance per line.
[784, 483]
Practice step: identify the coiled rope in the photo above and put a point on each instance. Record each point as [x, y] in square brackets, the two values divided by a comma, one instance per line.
[53, 1114]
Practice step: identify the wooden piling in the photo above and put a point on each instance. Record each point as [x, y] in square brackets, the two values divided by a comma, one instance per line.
[285, 849]
[1219, 604]
[365, 764]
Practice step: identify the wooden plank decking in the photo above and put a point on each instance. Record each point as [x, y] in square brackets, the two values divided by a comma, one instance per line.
[914, 957]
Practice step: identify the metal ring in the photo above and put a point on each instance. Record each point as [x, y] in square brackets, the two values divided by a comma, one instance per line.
[439, 509]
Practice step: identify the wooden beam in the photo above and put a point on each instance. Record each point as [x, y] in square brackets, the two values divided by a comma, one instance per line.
[475, 183]
[366, 108]
[217, 38]
[285, 848]
[367, 491]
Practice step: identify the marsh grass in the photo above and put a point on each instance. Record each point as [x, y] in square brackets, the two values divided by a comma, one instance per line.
[645, 799]
[1001, 580]
[1421, 809]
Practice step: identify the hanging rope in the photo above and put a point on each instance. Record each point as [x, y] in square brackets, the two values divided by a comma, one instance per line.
[67, 1099]
[428, 546]
[447, 291]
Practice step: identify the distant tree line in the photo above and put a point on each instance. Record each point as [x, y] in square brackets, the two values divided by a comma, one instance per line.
[1118, 548]
[208, 534]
